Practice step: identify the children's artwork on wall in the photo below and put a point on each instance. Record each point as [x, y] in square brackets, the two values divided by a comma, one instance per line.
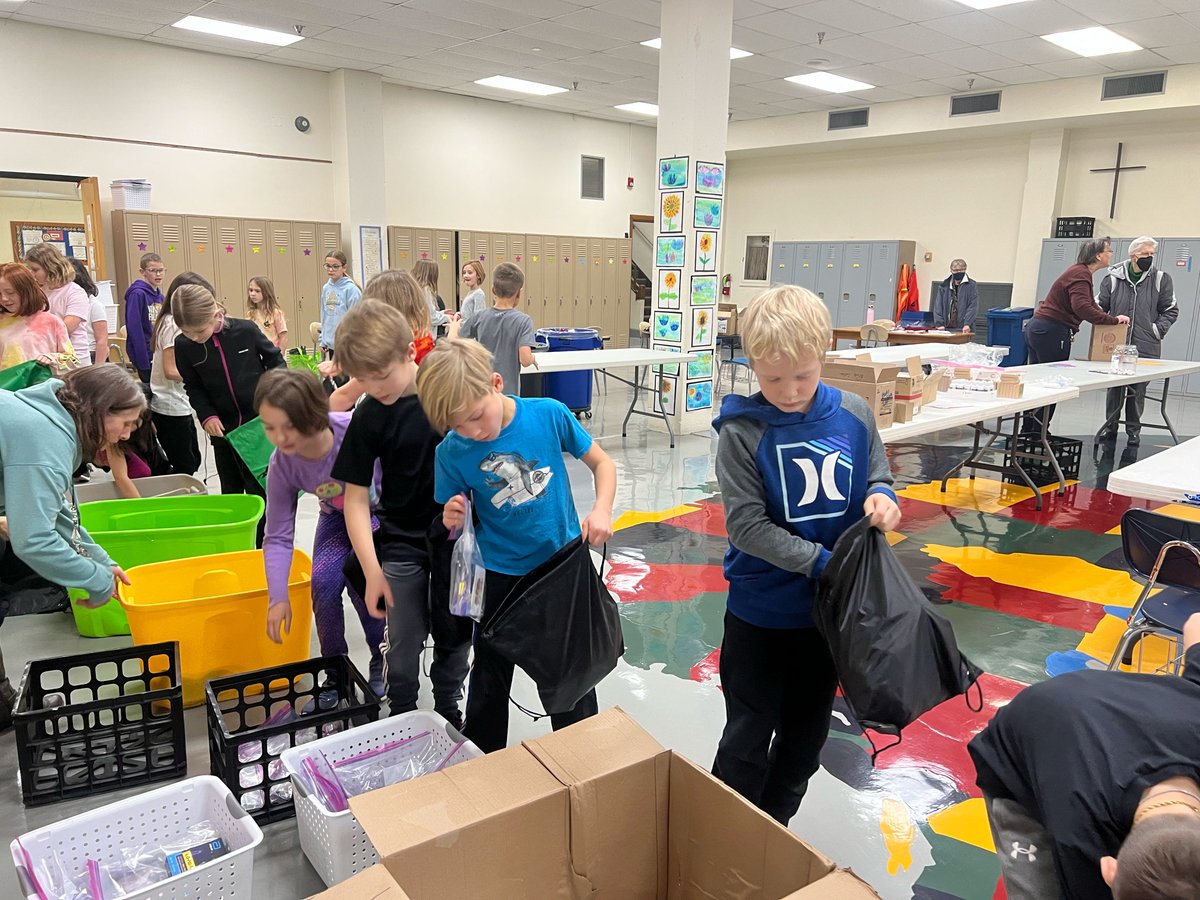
[669, 288]
[704, 290]
[670, 212]
[669, 368]
[667, 326]
[672, 173]
[702, 320]
[667, 393]
[708, 212]
[669, 251]
[706, 251]
[710, 178]
[699, 395]
[702, 365]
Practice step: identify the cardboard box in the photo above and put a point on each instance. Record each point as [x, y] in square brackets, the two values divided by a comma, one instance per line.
[875, 382]
[904, 412]
[1010, 386]
[910, 385]
[1105, 339]
[727, 322]
[375, 883]
[597, 811]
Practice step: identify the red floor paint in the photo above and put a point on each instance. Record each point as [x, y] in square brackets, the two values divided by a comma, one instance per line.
[917, 515]
[1085, 508]
[1065, 612]
[708, 519]
[708, 669]
[633, 582]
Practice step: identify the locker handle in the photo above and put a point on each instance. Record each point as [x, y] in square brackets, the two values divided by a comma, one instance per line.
[846, 298]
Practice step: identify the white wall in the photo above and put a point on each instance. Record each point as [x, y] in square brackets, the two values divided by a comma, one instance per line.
[34, 209]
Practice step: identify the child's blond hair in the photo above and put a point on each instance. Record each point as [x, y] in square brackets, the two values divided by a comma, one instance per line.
[371, 337]
[455, 374]
[400, 290]
[785, 322]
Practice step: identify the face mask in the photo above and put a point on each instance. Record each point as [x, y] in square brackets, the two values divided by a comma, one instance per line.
[1144, 263]
[958, 276]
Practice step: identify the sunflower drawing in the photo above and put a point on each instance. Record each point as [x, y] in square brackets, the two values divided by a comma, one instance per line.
[671, 206]
[706, 242]
[670, 280]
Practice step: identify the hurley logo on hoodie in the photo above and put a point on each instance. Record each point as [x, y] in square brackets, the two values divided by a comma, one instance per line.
[815, 478]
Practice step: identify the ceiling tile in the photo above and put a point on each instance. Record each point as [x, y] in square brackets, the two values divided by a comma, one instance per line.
[463, 62]
[404, 42]
[128, 9]
[567, 70]
[524, 43]
[1072, 68]
[913, 38]
[260, 17]
[972, 59]
[503, 58]
[864, 49]
[977, 28]
[570, 37]
[544, 9]
[51, 14]
[791, 27]
[766, 92]
[922, 67]
[744, 9]
[491, 17]
[922, 88]
[201, 43]
[645, 11]
[916, 10]
[876, 75]
[1018, 75]
[1031, 51]
[347, 52]
[1137, 61]
[1159, 31]
[758, 41]
[766, 65]
[421, 20]
[618, 65]
[852, 17]
[1108, 12]
[959, 85]
[1043, 17]
[1180, 54]
[595, 22]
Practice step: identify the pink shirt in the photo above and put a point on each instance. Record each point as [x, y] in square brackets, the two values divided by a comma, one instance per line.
[40, 336]
[70, 300]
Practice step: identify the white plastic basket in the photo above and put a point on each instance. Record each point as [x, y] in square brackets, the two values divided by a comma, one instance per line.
[155, 817]
[335, 843]
[130, 194]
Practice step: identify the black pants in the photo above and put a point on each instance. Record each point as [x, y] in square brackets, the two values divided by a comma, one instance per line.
[491, 682]
[779, 686]
[235, 476]
[1134, 397]
[177, 435]
[144, 375]
[1048, 341]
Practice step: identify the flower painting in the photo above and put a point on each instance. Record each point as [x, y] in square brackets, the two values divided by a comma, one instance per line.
[704, 290]
[706, 250]
[702, 365]
[672, 173]
[670, 214]
[701, 327]
[669, 288]
[708, 212]
[699, 395]
[666, 393]
[710, 178]
[669, 251]
[667, 326]
[668, 368]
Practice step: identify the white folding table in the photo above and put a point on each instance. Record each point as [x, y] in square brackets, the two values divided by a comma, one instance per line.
[1171, 476]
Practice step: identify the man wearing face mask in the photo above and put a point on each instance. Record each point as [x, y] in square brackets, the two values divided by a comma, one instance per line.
[957, 300]
[1141, 290]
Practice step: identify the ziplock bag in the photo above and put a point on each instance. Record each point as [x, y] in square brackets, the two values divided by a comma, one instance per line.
[896, 658]
[560, 624]
[467, 573]
[390, 764]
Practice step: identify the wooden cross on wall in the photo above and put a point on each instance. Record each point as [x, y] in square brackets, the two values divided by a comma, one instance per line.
[1117, 170]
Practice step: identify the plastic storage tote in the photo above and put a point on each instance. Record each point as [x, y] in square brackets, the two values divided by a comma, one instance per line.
[99, 722]
[150, 486]
[335, 843]
[572, 389]
[254, 718]
[1006, 328]
[216, 607]
[156, 818]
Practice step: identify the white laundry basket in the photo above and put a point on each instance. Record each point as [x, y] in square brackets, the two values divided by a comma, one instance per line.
[154, 818]
[130, 193]
[335, 843]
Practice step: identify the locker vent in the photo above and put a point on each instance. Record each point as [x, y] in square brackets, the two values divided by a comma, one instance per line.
[970, 104]
[255, 235]
[1134, 85]
[170, 231]
[591, 177]
[200, 233]
[229, 234]
[281, 236]
[848, 118]
[139, 231]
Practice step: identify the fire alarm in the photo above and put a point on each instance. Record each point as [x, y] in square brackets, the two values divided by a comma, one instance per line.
[629, 183]
[302, 124]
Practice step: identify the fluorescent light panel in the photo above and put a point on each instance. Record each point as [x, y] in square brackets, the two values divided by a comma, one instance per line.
[646, 109]
[989, 4]
[734, 52]
[1097, 41]
[827, 81]
[236, 31]
[520, 85]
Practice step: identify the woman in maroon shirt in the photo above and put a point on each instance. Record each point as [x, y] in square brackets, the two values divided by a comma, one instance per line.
[1070, 300]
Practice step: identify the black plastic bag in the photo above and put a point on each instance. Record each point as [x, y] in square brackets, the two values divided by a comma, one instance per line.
[896, 657]
[560, 624]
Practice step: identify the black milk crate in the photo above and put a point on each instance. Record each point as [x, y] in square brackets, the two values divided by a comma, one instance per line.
[99, 722]
[1075, 227]
[1067, 451]
[309, 700]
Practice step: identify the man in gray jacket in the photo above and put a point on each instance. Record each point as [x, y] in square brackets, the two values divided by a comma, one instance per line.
[1141, 290]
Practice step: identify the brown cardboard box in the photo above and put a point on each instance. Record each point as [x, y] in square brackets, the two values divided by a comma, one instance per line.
[597, 811]
[1105, 339]
[727, 318]
[1010, 386]
[905, 410]
[375, 883]
[910, 385]
[873, 381]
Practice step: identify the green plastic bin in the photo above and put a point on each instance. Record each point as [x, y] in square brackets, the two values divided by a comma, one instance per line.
[158, 529]
[250, 442]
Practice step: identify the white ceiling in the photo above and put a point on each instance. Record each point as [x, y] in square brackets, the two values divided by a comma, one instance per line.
[907, 48]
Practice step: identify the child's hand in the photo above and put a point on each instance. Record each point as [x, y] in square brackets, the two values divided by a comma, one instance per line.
[454, 514]
[329, 369]
[214, 427]
[279, 620]
[597, 528]
[884, 513]
[377, 596]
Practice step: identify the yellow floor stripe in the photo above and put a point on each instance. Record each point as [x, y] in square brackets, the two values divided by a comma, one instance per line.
[1152, 652]
[1178, 510]
[633, 517]
[983, 494]
[1062, 575]
[966, 822]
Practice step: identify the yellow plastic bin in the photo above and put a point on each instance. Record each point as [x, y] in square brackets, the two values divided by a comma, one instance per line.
[216, 608]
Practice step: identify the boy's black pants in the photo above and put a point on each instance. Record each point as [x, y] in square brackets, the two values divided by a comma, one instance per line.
[491, 681]
[779, 685]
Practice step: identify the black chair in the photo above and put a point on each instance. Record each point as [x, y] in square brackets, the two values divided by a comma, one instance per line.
[1165, 552]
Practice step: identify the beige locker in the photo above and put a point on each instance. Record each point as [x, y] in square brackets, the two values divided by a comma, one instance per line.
[230, 266]
[579, 312]
[551, 269]
[500, 252]
[329, 238]
[608, 293]
[626, 326]
[534, 281]
[308, 273]
[201, 251]
[442, 253]
[281, 268]
[133, 235]
[517, 256]
[400, 247]
[560, 308]
[257, 254]
[596, 315]
[170, 243]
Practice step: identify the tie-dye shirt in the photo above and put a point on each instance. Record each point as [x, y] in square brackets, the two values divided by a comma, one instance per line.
[40, 336]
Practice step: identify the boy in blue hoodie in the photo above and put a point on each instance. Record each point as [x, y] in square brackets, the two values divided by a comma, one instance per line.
[798, 463]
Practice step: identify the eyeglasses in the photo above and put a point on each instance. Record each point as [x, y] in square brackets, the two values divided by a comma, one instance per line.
[156, 271]
[333, 265]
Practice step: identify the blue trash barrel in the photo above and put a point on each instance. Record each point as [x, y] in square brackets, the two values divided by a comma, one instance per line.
[572, 389]
[1006, 328]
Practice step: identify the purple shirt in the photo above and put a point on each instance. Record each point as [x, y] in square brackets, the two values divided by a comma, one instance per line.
[287, 478]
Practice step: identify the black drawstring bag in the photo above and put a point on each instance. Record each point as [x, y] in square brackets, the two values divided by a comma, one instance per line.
[560, 624]
[896, 658]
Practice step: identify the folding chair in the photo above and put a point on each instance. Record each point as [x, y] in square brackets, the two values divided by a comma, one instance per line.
[1165, 552]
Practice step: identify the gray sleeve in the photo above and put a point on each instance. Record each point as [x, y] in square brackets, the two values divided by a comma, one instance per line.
[750, 528]
[879, 472]
[1104, 295]
[526, 336]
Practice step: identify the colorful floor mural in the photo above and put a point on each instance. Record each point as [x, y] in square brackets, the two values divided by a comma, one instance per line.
[1023, 588]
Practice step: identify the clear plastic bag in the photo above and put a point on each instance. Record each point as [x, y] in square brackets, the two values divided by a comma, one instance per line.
[321, 783]
[467, 573]
[390, 764]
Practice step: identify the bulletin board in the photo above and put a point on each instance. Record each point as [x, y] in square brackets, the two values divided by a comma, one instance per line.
[70, 240]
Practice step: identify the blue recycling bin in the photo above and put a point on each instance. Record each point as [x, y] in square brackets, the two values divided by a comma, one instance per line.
[572, 389]
[1006, 328]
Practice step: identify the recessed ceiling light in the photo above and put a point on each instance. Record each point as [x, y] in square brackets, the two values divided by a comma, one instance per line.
[989, 4]
[236, 31]
[646, 109]
[504, 83]
[734, 52]
[827, 81]
[1097, 41]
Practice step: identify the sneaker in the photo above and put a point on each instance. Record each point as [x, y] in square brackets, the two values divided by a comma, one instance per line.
[452, 715]
[1106, 436]
[375, 677]
[1135, 440]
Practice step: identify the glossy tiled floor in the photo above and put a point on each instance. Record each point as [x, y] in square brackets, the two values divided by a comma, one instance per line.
[1020, 586]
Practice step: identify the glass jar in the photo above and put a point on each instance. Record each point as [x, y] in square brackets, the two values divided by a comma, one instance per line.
[1124, 359]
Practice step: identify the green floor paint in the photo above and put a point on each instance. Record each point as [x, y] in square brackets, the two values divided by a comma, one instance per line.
[959, 869]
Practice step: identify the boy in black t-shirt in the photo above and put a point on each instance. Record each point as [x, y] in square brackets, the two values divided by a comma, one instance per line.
[408, 581]
[1095, 765]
